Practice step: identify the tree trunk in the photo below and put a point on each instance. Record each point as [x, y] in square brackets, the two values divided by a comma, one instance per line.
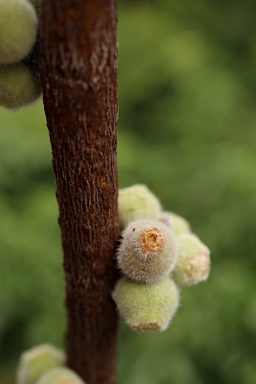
[78, 71]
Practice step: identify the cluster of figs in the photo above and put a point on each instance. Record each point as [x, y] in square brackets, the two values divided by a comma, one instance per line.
[158, 254]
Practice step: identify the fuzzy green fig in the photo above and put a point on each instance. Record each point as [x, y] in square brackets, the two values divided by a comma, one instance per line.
[137, 202]
[147, 251]
[60, 376]
[193, 263]
[146, 307]
[18, 86]
[178, 223]
[36, 361]
[18, 30]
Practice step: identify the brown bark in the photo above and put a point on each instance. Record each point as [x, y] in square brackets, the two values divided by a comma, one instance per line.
[78, 72]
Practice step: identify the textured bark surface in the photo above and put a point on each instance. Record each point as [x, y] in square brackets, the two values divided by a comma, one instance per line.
[78, 72]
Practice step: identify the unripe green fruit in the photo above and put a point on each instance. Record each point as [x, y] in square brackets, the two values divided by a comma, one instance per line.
[146, 307]
[137, 202]
[18, 30]
[193, 264]
[36, 361]
[60, 376]
[18, 86]
[178, 223]
[147, 251]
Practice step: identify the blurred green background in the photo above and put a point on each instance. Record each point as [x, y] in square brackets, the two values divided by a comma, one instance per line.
[187, 129]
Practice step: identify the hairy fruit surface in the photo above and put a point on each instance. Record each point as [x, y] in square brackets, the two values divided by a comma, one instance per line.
[18, 86]
[18, 30]
[193, 264]
[178, 223]
[137, 202]
[36, 361]
[146, 307]
[60, 376]
[148, 251]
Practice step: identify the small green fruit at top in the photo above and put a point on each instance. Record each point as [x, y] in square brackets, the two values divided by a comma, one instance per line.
[193, 264]
[18, 30]
[60, 376]
[137, 202]
[178, 223]
[18, 86]
[146, 307]
[147, 251]
[36, 361]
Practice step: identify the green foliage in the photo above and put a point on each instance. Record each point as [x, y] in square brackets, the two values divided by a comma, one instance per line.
[187, 99]
[31, 302]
